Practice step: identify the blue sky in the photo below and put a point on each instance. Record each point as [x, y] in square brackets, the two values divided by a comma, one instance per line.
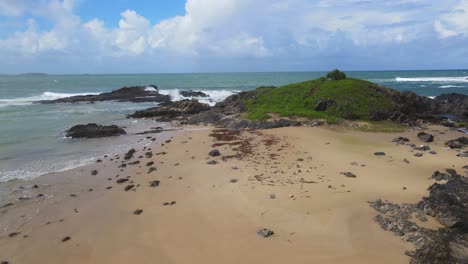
[144, 36]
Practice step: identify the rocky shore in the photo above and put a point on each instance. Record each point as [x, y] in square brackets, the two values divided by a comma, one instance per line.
[243, 181]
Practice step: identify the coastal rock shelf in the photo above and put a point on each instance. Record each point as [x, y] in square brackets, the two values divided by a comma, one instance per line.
[94, 131]
[136, 94]
[448, 204]
[331, 100]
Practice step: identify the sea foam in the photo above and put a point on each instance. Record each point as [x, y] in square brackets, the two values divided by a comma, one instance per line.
[434, 79]
[44, 96]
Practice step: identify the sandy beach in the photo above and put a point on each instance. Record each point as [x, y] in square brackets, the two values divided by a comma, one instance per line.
[289, 180]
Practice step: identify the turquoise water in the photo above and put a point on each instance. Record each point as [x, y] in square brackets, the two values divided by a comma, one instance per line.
[31, 135]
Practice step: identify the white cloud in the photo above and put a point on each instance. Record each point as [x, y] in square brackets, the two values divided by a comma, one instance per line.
[454, 22]
[233, 29]
[442, 31]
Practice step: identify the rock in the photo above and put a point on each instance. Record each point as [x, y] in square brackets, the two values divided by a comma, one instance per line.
[401, 140]
[191, 93]
[214, 153]
[212, 162]
[447, 203]
[432, 152]
[425, 137]
[94, 172]
[463, 153]
[173, 109]
[14, 234]
[129, 187]
[418, 155]
[439, 176]
[233, 180]
[323, 104]
[148, 164]
[154, 183]
[272, 196]
[92, 130]
[265, 232]
[379, 154]
[129, 154]
[349, 174]
[406, 161]
[138, 212]
[152, 169]
[136, 94]
[65, 239]
[457, 143]
[122, 180]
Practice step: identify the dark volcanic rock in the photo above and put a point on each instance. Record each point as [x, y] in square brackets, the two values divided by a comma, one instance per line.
[323, 104]
[122, 180]
[457, 143]
[138, 212]
[94, 131]
[154, 183]
[126, 94]
[349, 174]
[448, 204]
[425, 137]
[191, 93]
[173, 109]
[379, 153]
[455, 104]
[214, 153]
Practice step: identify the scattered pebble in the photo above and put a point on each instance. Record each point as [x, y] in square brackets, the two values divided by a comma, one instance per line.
[138, 212]
[265, 232]
[65, 239]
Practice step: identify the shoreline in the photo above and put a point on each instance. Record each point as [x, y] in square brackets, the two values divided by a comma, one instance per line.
[317, 214]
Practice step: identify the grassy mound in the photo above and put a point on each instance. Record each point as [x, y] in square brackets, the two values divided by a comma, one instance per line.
[347, 98]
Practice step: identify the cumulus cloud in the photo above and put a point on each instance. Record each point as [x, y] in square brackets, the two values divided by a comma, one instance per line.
[453, 22]
[234, 30]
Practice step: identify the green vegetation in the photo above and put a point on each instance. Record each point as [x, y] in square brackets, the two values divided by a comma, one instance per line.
[336, 75]
[320, 98]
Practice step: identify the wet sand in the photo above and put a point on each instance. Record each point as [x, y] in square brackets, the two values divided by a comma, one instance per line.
[288, 180]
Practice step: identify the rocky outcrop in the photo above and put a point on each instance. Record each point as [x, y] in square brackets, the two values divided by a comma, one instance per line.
[191, 93]
[94, 131]
[458, 143]
[173, 109]
[136, 94]
[323, 104]
[448, 204]
[455, 104]
[425, 137]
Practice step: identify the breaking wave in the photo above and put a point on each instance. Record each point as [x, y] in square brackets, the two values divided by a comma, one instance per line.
[43, 96]
[434, 79]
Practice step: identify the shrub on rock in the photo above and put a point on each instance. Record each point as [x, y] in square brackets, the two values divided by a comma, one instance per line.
[336, 75]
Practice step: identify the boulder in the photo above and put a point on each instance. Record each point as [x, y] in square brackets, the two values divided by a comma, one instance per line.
[173, 109]
[457, 143]
[94, 131]
[323, 104]
[191, 93]
[425, 137]
[214, 153]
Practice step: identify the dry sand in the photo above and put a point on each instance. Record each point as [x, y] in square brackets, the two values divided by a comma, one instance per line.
[288, 180]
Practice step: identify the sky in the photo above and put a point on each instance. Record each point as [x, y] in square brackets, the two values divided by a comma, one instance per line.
[152, 36]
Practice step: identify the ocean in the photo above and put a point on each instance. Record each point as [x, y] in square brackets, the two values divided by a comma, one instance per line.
[32, 141]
